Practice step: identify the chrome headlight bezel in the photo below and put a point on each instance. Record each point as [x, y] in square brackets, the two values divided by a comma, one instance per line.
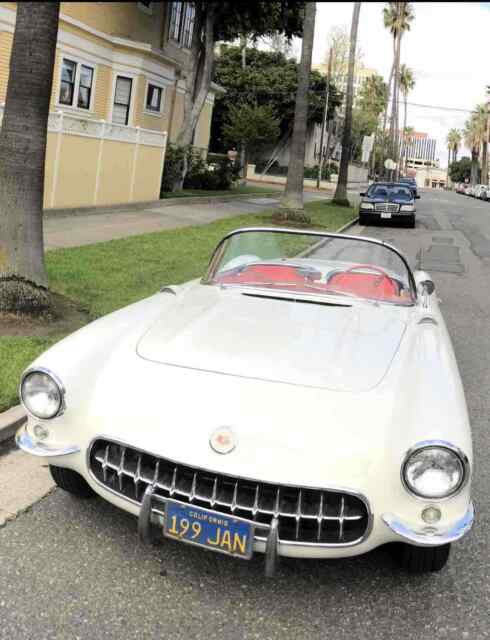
[60, 388]
[436, 444]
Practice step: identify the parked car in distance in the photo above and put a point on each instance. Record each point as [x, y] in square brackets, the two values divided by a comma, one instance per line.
[410, 182]
[470, 191]
[301, 399]
[388, 201]
[483, 192]
[478, 190]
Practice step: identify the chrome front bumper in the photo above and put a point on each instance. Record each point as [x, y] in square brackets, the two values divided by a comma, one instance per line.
[430, 536]
[36, 448]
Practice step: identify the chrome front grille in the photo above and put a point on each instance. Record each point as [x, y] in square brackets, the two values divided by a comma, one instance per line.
[386, 207]
[321, 516]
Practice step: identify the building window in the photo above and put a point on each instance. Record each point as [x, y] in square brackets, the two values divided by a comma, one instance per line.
[154, 98]
[122, 100]
[182, 17]
[76, 84]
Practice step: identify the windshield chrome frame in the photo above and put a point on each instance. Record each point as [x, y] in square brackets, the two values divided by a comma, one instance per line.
[217, 253]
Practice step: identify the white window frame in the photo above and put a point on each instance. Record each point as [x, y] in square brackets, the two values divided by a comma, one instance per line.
[132, 99]
[78, 61]
[148, 112]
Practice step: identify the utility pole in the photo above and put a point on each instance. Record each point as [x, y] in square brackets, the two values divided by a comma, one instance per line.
[325, 118]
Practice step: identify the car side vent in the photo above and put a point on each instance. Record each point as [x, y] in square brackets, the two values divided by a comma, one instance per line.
[168, 290]
[428, 320]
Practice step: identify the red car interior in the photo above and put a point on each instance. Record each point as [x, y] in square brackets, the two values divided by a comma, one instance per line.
[378, 285]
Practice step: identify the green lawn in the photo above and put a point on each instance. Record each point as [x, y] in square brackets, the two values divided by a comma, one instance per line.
[240, 190]
[109, 275]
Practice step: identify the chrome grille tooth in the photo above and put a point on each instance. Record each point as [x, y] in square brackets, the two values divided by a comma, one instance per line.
[137, 476]
[320, 519]
[174, 482]
[234, 498]
[156, 473]
[277, 503]
[304, 515]
[120, 469]
[104, 464]
[298, 514]
[192, 494]
[215, 491]
[341, 519]
[255, 508]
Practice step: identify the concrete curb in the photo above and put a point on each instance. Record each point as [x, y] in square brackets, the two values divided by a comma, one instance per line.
[10, 421]
[154, 204]
[348, 225]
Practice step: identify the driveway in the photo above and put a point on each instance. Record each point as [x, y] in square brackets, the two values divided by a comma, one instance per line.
[75, 569]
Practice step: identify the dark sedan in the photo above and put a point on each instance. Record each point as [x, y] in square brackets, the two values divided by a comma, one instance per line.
[385, 201]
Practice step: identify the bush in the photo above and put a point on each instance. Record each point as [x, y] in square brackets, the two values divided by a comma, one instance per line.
[174, 156]
[219, 176]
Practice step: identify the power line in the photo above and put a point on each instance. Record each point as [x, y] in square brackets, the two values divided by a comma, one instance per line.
[433, 106]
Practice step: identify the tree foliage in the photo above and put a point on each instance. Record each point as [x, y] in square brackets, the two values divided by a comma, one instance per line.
[371, 102]
[460, 170]
[251, 125]
[269, 79]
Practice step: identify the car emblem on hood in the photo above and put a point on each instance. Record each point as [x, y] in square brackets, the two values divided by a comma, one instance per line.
[223, 440]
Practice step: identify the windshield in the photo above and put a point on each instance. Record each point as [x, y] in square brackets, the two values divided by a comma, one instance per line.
[389, 191]
[318, 264]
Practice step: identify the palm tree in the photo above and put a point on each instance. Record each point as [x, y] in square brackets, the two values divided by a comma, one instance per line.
[293, 193]
[23, 279]
[397, 17]
[341, 190]
[481, 119]
[472, 140]
[407, 83]
[454, 141]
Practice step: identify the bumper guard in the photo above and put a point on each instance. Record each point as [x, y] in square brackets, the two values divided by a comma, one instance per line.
[145, 521]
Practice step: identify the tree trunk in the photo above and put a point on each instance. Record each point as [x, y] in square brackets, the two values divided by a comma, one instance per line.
[23, 137]
[390, 81]
[243, 150]
[341, 190]
[394, 104]
[484, 163]
[198, 80]
[474, 166]
[293, 194]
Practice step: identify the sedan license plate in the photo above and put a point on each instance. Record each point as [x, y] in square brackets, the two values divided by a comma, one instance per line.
[208, 529]
[386, 215]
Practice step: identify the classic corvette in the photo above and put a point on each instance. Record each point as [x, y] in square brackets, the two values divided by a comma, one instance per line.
[302, 399]
[388, 201]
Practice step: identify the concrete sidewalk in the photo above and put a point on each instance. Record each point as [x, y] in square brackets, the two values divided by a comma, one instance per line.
[80, 229]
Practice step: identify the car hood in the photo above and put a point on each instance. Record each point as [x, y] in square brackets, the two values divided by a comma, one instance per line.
[229, 331]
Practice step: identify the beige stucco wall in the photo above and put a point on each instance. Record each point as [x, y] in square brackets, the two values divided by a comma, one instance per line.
[122, 19]
[75, 184]
[203, 128]
[148, 174]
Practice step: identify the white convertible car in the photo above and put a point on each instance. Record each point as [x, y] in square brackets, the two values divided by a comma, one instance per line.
[302, 399]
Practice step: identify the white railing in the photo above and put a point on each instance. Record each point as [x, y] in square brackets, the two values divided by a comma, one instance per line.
[71, 124]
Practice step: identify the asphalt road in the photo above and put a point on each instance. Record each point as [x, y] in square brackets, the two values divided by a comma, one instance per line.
[75, 569]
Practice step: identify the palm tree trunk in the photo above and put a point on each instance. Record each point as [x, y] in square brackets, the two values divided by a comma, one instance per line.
[293, 193]
[394, 117]
[341, 190]
[474, 166]
[23, 137]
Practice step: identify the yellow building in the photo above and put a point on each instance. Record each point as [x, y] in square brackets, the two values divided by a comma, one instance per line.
[117, 98]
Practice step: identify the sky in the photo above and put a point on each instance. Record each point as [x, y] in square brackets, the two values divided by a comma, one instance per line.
[448, 49]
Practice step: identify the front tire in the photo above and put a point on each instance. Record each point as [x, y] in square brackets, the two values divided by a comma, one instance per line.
[71, 481]
[423, 559]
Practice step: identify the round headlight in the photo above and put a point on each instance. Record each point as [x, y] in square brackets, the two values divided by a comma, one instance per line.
[434, 472]
[41, 394]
